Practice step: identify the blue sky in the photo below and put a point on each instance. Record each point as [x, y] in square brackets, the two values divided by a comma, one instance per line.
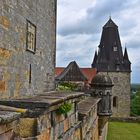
[79, 27]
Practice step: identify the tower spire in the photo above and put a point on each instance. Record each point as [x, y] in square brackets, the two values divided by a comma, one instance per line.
[94, 60]
[125, 57]
[110, 15]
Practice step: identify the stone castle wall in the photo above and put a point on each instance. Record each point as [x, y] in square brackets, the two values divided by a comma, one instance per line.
[15, 60]
[120, 90]
[45, 123]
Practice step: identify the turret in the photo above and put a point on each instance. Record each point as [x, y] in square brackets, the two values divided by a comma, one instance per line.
[94, 60]
[102, 88]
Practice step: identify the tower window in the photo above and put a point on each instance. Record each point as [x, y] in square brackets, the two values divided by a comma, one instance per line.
[31, 37]
[115, 49]
[115, 101]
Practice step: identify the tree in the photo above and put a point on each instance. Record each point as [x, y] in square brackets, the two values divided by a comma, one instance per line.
[135, 105]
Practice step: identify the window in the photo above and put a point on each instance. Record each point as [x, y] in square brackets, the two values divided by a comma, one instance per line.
[115, 100]
[30, 74]
[31, 37]
[115, 49]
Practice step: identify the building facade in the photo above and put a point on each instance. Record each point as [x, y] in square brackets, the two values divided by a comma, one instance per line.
[74, 74]
[111, 61]
[27, 47]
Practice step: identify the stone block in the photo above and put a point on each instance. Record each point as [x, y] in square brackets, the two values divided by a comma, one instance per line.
[4, 21]
[45, 135]
[2, 86]
[58, 117]
[72, 120]
[27, 127]
[77, 135]
[44, 122]
[7, 135]
[9, 126]
[66, 125]
[61, 128]
[56, 131]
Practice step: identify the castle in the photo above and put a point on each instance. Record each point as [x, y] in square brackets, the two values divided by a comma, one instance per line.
[30, 109]
[111, 61]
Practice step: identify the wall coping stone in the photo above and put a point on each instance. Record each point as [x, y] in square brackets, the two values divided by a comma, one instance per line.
[7, 116]
[85, 106]
[36, 105]
[43, 100]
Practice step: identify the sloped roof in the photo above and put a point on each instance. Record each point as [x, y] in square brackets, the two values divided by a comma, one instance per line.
[71, 73]
[89, 73]
[125, 57]
[58, 70]
[110, 23]
[110, 55]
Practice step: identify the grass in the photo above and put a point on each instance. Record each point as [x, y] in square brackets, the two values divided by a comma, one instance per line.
[123, 131]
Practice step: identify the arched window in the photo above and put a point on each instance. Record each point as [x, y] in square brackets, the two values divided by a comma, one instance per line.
[115, 101]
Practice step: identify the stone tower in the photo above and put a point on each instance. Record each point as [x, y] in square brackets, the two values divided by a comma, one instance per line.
[111, 61]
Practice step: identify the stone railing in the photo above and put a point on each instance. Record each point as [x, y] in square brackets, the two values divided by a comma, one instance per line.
[37, 118]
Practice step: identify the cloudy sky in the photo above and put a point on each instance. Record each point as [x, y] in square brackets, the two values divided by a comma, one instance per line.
[79, 27]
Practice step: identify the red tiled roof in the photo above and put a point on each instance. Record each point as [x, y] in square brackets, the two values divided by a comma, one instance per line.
[88, 72]
[58, 70]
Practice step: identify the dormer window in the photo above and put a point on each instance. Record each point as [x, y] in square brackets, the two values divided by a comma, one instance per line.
[115, 49]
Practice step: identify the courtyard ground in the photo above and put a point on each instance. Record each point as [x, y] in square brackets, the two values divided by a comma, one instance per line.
[123, 131]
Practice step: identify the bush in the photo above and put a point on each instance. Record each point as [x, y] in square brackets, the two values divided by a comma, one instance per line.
[67, 86]
[63, 109]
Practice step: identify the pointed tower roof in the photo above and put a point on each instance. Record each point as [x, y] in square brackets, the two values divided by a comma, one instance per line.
[71, 73]
[125, 57]
[110, 23]
[110, 56]
[94, 60]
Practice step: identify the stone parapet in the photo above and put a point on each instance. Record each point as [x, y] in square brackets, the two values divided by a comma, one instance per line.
[42, 121]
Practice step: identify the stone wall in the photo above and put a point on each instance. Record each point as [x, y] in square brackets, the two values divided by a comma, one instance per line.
[45, 123]
[120, 90]
[15, 60]
[127, 119]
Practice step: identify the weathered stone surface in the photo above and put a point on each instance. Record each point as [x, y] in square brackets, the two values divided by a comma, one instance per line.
[87, 105]
[9, 135]
[28, 127]
[45, 135]
[66, 124]
[48, 125]
[44, 122]
[15, 60]
[121, 90]
[7, 117]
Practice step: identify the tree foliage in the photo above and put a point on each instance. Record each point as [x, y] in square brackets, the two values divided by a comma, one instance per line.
[67, 86]
[135, 104]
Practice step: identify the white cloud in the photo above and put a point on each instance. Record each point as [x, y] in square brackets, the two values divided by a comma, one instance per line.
[80, 24]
